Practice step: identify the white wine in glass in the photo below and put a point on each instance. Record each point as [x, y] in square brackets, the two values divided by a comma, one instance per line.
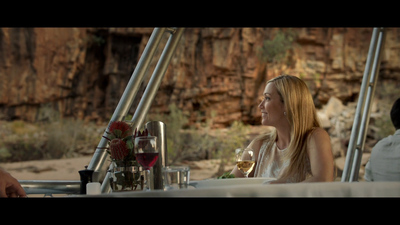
[245, 160]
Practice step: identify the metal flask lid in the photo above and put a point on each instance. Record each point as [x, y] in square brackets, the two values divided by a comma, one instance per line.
[86, 177]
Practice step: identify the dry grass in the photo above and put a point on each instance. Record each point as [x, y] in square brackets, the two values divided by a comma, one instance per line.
[66, 138]
[22, 141]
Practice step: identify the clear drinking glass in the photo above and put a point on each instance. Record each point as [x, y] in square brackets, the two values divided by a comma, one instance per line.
[146, 152]
[176, 177]
[245, 160]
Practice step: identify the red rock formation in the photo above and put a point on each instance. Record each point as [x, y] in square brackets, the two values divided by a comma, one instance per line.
[82, 72]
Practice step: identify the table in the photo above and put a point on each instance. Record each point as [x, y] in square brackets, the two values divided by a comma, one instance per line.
[254, 187]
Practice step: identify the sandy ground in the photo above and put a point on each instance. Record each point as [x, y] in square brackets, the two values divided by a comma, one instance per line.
[67, 169]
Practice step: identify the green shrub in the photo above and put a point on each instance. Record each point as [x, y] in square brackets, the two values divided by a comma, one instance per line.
[234, 138]
[275, 50]
[24, 141]
[62, 138]
[21, 148]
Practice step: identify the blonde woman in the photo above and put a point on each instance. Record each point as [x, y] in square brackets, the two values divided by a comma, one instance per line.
[297, 149]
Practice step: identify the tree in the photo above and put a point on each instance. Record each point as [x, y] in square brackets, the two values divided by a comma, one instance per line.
[275, 50]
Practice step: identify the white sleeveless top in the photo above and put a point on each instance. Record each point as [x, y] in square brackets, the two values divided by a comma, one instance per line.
[271, 165]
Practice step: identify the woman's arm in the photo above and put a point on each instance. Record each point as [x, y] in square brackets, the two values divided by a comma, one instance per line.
[321, 157]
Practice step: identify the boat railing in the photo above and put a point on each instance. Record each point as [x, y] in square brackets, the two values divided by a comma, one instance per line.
[50, 187]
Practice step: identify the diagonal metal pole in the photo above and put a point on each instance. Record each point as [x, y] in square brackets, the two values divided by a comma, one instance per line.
[367, 109]
[352, 148]
[360, 106]
[156, 78]
[126, 100]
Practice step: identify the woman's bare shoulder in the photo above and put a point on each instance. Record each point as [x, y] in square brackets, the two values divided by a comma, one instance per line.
[319, 132]
[257, 142]
[318, 138]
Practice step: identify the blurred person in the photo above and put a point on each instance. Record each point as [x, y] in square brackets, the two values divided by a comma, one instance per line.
[9, 186]
[384, 162]
[297, 149]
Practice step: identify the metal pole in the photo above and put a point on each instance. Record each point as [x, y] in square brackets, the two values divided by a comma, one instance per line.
[151, 89]
[367, 111]
[158, 128]
[126, 100]
[359, 109]
[156, 78]
[50, 186]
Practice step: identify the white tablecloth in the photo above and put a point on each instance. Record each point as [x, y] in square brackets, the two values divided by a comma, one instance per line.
[254, 187]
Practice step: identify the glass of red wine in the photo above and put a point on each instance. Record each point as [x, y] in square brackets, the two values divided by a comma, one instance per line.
[146, 152]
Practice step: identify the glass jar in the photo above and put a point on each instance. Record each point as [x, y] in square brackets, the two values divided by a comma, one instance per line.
[125, 176]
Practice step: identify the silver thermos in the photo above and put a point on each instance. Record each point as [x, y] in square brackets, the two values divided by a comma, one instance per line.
[158, 128]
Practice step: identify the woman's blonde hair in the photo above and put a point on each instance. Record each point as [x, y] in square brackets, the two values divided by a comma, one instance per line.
[302, 117]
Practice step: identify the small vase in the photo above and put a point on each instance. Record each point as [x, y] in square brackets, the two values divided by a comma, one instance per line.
[125, 176]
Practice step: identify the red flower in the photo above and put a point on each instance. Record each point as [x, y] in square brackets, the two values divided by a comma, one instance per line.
[121, 140]
[120, 129]
[118, 149]
[139, 134]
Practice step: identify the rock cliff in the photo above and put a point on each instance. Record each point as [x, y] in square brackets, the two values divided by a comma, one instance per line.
[82, 72]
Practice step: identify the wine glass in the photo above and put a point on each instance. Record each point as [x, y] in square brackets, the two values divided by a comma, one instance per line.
[245, 160]
[146, 152]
